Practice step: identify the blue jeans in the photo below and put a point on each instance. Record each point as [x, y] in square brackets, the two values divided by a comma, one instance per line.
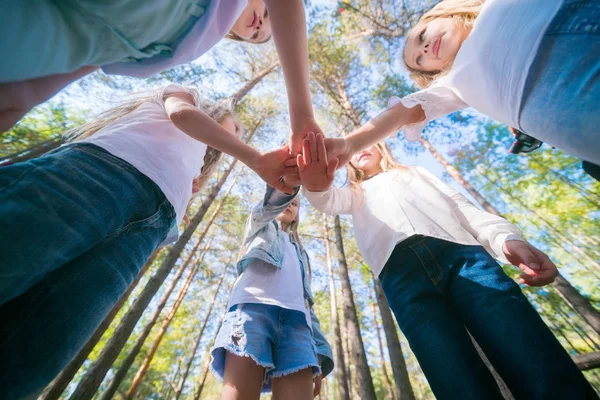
[438, 290]
[561, 97]
[76, 227]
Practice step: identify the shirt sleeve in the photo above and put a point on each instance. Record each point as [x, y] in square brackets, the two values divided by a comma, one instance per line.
[333, 201]
[271, 206]
[490, 230]
[436, 101]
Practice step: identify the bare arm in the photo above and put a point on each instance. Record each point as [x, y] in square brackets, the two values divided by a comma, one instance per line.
[190, 120]
[288, 24]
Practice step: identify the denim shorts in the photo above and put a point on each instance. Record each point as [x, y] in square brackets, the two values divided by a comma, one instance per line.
[276, 338]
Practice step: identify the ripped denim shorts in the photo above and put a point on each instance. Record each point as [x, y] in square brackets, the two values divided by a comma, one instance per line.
[276, 338]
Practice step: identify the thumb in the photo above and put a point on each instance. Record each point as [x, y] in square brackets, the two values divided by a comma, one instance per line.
[332, 167]
[528, 262]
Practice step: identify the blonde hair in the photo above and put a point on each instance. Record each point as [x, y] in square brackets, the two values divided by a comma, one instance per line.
[357, 176]
[464, 11]
[217, 110]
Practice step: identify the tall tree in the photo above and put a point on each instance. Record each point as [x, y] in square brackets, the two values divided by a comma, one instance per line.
[340, 372]
[404, 390]
[359, 356]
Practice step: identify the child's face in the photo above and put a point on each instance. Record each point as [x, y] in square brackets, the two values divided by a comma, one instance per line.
[290, 213]
[254, 25]
[433, 46]
[231, 125]
[368, 160]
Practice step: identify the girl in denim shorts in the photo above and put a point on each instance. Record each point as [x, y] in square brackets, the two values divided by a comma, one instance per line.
[271, 339]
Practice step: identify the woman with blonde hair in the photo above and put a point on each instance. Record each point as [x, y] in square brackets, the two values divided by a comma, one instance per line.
[80, 222]
[434, 251]
[531, 64]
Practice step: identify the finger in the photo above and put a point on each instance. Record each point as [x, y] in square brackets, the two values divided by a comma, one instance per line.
[317, 389]
[290, 170]
[536, 281]
[291, 162]
[528, 262]
[306, 151]
[186, 219]
[331, 168]
[313, 146]
[321, 149]
[282, 187]
[301, 164]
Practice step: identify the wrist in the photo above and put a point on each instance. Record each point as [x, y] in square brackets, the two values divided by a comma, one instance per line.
[253, 160]
[300, 117]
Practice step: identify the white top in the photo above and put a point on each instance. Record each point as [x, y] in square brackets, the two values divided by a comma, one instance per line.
[264, 283]
[397, 204]
[491, 67]
[147, 139]
[216, 21]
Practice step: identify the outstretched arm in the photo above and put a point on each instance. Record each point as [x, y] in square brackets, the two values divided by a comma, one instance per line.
[377, 129]
[288, 24]
[195, 123]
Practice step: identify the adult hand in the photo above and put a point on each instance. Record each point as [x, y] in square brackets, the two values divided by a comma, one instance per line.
[538, 269]
[316, 172]
[299, 131]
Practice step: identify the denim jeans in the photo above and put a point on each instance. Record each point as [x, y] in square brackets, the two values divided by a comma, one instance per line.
[438, 290]
[562, 91]
[76, 227]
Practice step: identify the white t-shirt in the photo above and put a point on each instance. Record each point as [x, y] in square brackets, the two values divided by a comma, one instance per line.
[147, 139]
[264, 283]
[491, 67]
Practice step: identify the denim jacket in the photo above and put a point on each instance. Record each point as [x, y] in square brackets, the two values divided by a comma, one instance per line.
[264, 240]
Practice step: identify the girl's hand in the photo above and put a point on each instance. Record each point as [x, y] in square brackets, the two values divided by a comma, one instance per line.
[315, 171]
[339, 148]
[538, 269]
[317, 389]
[270, 166]
[299, 133]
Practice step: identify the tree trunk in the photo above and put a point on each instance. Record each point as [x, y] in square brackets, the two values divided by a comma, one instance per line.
[97, 371]
[340, 361]
[188, 365]
[166, 323]
[404, 390]
[212, 343]
[129, 360]
[60, 383]
[363, 374]
[386, 378]
[579, 303]
[253, 82]
[587, 361]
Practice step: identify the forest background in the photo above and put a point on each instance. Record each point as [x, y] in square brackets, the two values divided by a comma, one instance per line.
[154, 344]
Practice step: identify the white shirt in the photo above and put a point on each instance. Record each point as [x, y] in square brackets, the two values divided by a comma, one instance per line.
[491, 67]
[400, 203]
[147, 139]
[264, 283]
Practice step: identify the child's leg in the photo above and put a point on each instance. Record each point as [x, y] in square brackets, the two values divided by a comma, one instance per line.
[413, 280]
[18, 98]
[57, 207]
[243, 378]
[297, 386]
[511, 333]
[45, 327]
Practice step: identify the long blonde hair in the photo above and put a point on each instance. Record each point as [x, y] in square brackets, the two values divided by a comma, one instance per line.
[218, 111]
[464, 11]
[357, 176]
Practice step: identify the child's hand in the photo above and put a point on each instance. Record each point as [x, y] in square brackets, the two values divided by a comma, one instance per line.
[338, 148]
[538, 269]
[315, 172]
[270, 166]
[317, 389]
